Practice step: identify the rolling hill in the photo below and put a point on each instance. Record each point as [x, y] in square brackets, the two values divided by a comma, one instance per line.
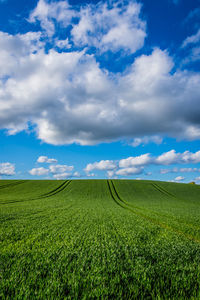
[92, 239]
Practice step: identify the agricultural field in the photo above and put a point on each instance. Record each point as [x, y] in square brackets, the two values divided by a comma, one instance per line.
[99, 239]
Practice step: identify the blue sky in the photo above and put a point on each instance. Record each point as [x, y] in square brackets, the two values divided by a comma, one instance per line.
[100, 89]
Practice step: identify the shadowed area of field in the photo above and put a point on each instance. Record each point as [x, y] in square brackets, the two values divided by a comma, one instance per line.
[91, 239]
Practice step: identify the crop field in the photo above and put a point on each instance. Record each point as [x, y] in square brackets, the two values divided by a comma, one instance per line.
[99, 239]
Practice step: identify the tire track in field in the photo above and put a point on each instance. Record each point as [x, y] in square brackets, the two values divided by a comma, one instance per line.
[163, 191]
[50, 194]
[54, 190]
[117, 199]
[13, 184]
[152, 211]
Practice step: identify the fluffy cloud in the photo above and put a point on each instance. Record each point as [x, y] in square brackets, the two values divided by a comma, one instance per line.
[110, 174]
[102, 165]
[179, 178]
[60, 169]
[7, 169]
[129, 171]
[106, 26]
[141, 160]
[60, 176]
[45, 159]
[172, 157]
[69, 98]
[168, 158]
[135, 164]
[110, 27]
[47, 13]
[39, 171]
[146, 140]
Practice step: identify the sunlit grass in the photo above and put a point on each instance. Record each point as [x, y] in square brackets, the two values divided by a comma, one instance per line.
[90, 239]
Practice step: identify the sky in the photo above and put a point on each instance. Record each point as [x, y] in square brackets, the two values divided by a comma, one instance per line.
[100, 89]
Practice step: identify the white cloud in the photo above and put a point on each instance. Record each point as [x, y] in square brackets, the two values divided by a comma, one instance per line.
[193, 39]
[101, 165]
[168, 158]
[90, 175]
[135, 165]
[106, 26]
[63, 44]
[61, 169]
[172, 157]
[179, 178]
[141, 160]
[70, 98]
[45, 159]
[189, 157]
[129, 171]
[110, 174]
[189, 170]
[76, 174]
[7, 169]
[62, 176]
[181, 170]
[47, 13]
[146, 140]
[39, 171]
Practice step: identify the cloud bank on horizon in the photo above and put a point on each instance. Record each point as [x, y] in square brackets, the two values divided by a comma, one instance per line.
[134, 165]
[57, 84]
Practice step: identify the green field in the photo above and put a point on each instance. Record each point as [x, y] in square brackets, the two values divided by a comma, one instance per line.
[99, 239]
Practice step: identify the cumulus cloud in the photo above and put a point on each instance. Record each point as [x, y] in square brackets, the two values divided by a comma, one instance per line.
[146, 140]
[179, 178]
[60, 176]
[106, 26]
[110, 174]
[129, 171]
[47, 13]
[141, 160]
[7, 169]
[61, 169]
[57, 171]
[39, 171]
[136, 164]
[168, 158]
[101, 165]
[111, 26]
[172, 157]
[69, 98]
[45, 159]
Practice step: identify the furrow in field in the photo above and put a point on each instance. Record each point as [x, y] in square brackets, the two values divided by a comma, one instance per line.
[54, 190]
[13, 184]
[117, 199]
[112, 195]
[62, 187]
[58, 190]
[162, 190]
[189, 225]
